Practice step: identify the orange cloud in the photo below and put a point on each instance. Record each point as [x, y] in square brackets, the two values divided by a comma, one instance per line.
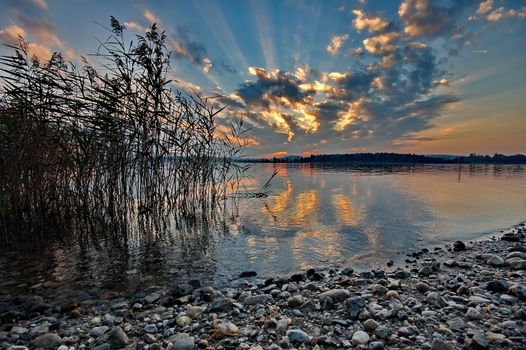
[336, 43]
[372, 24]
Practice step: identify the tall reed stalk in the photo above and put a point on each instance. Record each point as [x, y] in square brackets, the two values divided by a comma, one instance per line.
[109, 145]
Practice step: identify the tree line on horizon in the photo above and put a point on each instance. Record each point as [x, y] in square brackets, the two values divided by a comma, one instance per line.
[384, 157]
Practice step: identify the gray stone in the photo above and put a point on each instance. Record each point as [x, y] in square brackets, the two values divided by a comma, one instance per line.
[457, 324]
[98, 331]
[435, 299]
[383, 332]
[354, 306]
[116, 338]
[479, 341]
[498, 286]
[297, 336]
[473, 314]
[376, 345]
[370, 325]
[257, 299]
[422, 287]
[220, 305]
[517, 263]
[425, 271]
[360, 338]
[441, 345]
[336, 295]
[495, 260]
[185, 343]
[152, 298]
[151, 328]
[402, 274]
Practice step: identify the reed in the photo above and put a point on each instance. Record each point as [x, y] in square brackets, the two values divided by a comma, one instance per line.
[104, 147]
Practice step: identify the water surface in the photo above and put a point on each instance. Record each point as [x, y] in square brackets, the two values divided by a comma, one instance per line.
[315, 215]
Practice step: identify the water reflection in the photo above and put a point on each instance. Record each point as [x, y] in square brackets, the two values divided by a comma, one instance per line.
[315, 215]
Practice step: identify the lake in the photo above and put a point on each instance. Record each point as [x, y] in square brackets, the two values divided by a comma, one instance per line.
[315, 215]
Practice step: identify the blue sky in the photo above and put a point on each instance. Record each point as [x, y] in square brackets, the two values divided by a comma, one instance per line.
[422, 76]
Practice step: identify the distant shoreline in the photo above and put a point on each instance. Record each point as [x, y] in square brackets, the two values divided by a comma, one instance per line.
[393, 158]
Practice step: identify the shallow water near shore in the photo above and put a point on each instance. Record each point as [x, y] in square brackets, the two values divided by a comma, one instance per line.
[315, 215]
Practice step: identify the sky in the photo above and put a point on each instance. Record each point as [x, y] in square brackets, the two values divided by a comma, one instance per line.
[322, 76]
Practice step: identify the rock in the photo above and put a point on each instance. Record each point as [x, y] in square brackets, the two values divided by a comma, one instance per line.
[195, 283]
[476, 300]
[383, 332]
[473, 314]
[257, 299]
[47, 341]
[517, 263]
[282, 325]
[98, 331]
[220, 305]
[402, 274]
[185, 343]
[248, 274]
[225, 329]
[479, 341]
[425, 271]
[336, 295]
[297, 336]
[459, 246]
[295, 301]
[376, 345]
[360, 338]
[33, 301]
[104, 346]
[18, 330]
[498, 286]
[519, 290]
[183, 321]
[151, 328]
[435, 299]
[495, 337]
[196, 312]
[392, 294]
[149, 338]
[457, 324]
[370, 325]
[182, 290]
[441, 345]
[354, 306]
[422, 287]
[152, 298]
[495, 260]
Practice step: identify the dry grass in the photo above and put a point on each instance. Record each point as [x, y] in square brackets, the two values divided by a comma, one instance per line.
[101, 148]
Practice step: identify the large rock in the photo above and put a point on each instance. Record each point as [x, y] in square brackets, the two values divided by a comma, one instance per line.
[336, 295]
[182, 290]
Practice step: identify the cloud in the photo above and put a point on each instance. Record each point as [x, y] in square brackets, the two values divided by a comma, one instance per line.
[336, 43]
[10, 35]
[371, 24]
[381, 44]
[431, 18]
[485, 7]
[151, 17]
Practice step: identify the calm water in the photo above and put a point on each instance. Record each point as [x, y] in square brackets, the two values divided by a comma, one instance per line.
[315, 215]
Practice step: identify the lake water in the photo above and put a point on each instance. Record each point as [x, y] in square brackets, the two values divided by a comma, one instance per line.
[315, 215]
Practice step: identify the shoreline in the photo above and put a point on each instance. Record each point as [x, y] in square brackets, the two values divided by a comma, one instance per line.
[465, 296]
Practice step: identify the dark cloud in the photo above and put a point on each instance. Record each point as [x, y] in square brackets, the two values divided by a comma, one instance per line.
[432, 18]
